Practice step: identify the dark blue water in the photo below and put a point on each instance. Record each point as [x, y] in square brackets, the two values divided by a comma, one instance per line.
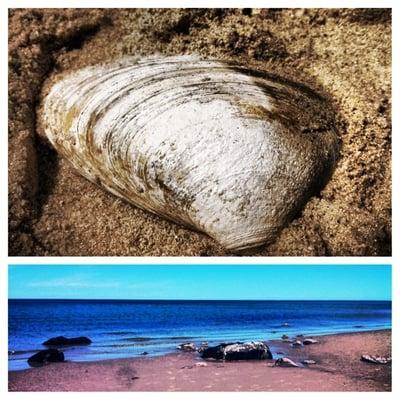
[128, 328]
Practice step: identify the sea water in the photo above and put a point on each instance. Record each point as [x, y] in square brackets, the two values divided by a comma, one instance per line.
[129, 328]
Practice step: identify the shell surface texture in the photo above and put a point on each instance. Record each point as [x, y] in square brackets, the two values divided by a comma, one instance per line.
[226, 150]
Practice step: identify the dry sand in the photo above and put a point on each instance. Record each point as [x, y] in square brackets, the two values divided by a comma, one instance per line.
[344, 54]
[338, 368]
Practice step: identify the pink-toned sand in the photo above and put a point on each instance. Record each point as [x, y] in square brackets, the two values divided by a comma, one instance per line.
[338, 368]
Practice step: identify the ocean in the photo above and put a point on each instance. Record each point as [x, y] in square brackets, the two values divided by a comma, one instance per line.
[127, 328]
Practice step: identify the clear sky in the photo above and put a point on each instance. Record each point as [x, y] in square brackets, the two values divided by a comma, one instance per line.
[244, 282]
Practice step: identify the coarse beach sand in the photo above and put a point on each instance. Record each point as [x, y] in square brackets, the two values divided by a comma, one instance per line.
[338, 368]
[342, 53]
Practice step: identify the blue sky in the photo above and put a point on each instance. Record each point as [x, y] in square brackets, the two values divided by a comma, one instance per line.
[242, 282]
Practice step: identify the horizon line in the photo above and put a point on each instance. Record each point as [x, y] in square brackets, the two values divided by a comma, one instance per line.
[109, 299]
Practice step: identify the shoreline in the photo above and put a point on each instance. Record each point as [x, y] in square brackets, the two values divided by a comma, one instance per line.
[275, 343]
[338, 368]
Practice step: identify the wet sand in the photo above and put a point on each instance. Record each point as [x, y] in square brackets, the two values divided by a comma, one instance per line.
[338, 368]
[343, 54]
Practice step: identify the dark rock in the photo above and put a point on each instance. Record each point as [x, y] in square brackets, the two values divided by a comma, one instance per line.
[63, 341]
[238, 351]
[285, 362]
[45, 356]
[284, 337]
[144, 353]
[296, 343]
[216, 352]
[309, 341]
[376, 359]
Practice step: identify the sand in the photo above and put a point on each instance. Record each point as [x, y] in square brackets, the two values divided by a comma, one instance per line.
[338, 368]
[343, 54]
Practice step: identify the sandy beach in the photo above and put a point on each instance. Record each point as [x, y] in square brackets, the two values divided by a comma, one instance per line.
[338, 368]
[343, 54]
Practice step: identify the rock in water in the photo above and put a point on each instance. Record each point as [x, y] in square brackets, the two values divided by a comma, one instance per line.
[284, 337]
[238, 351]
[45, 356]
[221, 148]
[63, 341]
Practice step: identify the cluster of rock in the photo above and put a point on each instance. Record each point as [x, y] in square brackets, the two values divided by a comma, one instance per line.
[225, 351]
[191, 347]
[296, 342]
[53, 354]
[247, 351]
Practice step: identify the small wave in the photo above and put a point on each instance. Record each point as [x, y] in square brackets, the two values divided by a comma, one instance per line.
[138, 339]
[20, 352]
[106, 346]
[181, 337]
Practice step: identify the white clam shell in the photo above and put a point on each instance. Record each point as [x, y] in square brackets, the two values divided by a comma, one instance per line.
[226, 150]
